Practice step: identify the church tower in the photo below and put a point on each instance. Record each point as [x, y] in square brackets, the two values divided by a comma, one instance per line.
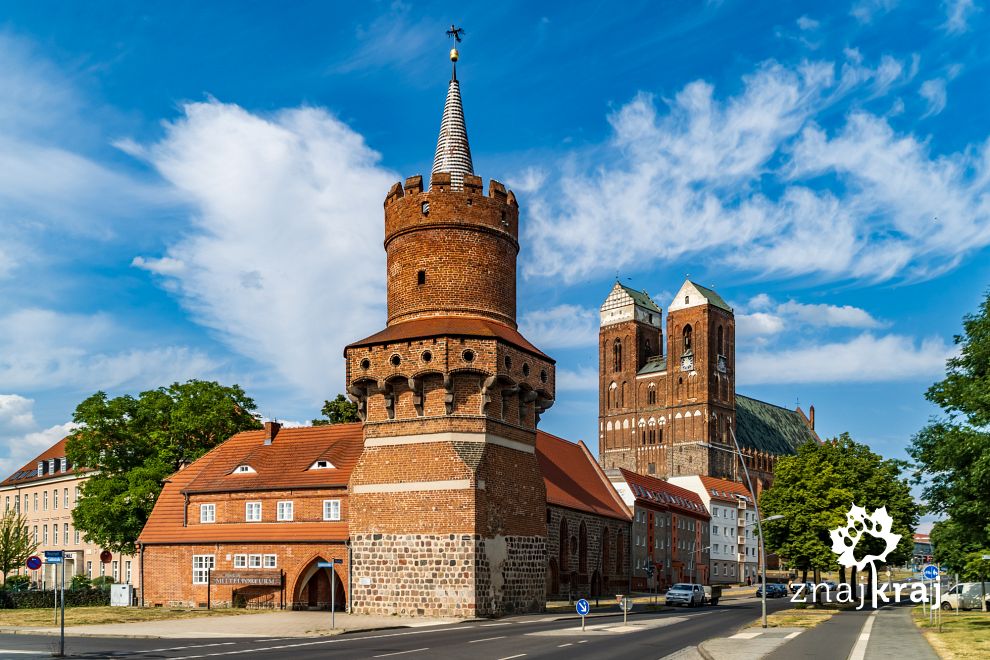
[701, 341]
[447, 503]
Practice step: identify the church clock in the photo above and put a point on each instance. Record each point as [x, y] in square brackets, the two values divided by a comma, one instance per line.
[687, 363]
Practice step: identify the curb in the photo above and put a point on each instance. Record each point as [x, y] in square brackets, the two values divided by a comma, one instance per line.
[51, 633]
[704, 652]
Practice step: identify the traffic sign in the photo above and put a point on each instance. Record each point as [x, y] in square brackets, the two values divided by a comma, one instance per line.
[34, 562]
[53, 556]
[583, 607]
[931, 572]
[324, 564]
[106, 556]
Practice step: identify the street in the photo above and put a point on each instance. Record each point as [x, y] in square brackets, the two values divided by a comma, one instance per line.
[651, 635]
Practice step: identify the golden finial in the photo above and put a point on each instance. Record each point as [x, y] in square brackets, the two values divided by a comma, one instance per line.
[453, 54]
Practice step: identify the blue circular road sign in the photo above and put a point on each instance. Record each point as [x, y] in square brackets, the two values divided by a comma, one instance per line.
[583, 607]
[34, 562]
[931, 572]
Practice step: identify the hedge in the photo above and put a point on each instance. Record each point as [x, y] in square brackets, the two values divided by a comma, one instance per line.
[12, 600]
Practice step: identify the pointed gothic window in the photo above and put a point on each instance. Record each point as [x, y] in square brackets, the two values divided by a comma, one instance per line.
[617, 355]
[687, 338]
[721, 348]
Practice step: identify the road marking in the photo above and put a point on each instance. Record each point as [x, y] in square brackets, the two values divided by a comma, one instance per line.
[745, 635]
[6, 651]
[583, 641]
[199, 646]
[385, 655]
[491, 625]
[510, 657]
[560, 646]
[859, 650]
[486, 639]
[792, 635]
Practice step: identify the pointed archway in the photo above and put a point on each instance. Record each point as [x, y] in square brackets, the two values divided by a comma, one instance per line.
[313, 588]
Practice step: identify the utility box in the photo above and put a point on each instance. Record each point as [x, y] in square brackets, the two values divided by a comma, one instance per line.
[121, 595]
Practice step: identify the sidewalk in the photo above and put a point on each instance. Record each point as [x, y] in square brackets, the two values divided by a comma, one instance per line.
[894, 635]
[267, 625]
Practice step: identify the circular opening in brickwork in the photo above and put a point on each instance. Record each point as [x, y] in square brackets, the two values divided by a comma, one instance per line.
[427, 356]
[468, 355]
[470, 202]
[365, 363]
[395, 360]
[543, 375]
[525, 369]
[508, 362]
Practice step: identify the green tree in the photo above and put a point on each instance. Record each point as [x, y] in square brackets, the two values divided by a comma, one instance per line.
[813, 491]
[16, 544]
[134, 444]
[338, 411]
[952, 452]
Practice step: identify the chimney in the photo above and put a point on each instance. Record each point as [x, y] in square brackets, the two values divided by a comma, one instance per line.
[271, 430]
[811, 417]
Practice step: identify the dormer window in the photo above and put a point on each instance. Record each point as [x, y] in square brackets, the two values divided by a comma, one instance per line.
[322, 464]
[243, 469]
[51, 466]
[41, 468]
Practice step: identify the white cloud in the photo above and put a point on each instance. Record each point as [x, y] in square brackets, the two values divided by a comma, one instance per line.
[829, 316]
[20, 439]
[806, 23]
[957, 15]
[864, 359]
[563, 326]
[745, 180]
[933, 91]
[758, 324]
[16, 412]
[866, 10]
[284, 257]
[580, 379]
[41, 349]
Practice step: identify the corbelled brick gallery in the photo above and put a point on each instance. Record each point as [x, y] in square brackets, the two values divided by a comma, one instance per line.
[445, 499]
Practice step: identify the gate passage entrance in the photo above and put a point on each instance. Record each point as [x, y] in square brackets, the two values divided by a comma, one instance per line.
[313, 588]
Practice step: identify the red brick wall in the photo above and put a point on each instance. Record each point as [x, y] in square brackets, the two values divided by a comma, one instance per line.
[230, 507]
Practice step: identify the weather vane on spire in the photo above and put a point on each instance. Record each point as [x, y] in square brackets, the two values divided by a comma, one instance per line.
[456, 33]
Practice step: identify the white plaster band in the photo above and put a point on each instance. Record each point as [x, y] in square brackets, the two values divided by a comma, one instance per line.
[450, 437]
[415, 486]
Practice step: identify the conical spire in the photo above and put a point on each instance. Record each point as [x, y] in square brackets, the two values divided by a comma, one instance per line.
[453, 152]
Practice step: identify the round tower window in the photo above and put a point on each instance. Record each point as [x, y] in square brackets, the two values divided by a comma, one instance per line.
[508, 362]
[365, 363]
[395, 360]
[426, 208]
[543, 375]
[468, 355]
[427, 356]
[525, 369]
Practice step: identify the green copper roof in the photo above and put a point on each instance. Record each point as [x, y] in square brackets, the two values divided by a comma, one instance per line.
[712, 297]
[654, 365]
[641, 298]
[766, 427]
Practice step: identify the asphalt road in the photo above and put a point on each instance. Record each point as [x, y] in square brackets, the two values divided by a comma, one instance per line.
[650, 635]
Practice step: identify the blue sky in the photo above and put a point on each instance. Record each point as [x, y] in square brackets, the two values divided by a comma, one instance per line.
[195, 189]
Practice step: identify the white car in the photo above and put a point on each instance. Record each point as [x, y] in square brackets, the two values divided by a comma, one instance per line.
[686, 594]
[965, 596]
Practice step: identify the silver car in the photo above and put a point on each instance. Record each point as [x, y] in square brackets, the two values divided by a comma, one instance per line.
[686, 594]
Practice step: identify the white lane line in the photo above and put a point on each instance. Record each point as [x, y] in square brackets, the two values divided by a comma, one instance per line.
[560, 646]
[510, 657]
[859, 650]
[386, 655]
[583, 641]
[486, 639]
[195, 646]
[12, 652]
[492, 625]
[792, 635]
[746, 635]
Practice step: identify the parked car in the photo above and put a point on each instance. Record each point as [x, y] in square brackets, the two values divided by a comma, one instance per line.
[774, 590]
[686, 594]
[808, 586]
[965, 596]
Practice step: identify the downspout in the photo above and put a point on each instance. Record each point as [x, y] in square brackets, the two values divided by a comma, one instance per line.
[350, 577]
[142, 573]
[185, 510]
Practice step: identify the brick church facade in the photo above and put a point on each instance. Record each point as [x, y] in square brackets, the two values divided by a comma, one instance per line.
[667, 392]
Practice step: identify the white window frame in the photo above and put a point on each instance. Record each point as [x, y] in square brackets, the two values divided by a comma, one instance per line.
[240, 561]
[207, 513]
[270, 561]
[201, 566]
[284, 510]
[254, 561]
[248, 508]
[329, 512]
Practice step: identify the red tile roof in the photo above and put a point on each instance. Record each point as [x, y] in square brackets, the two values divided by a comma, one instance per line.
[654, 491]
[29, 473]
[724, 489]
[458, 326]
[574, 479]
[284, 464]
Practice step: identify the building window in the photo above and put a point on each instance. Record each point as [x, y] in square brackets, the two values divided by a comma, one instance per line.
[201, 565]
[284, 511]
[103, 569]
[44, 531]
[617, 355]
[77, 493]
[331, 509]
[252, 511]
[421, 277]
[243, 469]
[65, 496]
[721, 349]
[77, 537]
[127, 572]
[55, 499]
[45, 499]
[687, 338]
[89, 569]
[36, 534]
[651, 396]
[651, 468]
[65, 533]
[116, 571]
[207, 513]
[240, 561]
[254, 561]
[270, 561]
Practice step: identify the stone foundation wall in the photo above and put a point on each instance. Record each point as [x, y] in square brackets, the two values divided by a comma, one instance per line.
[459, 575]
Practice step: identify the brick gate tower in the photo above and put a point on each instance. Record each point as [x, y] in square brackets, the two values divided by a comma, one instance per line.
[447, 503]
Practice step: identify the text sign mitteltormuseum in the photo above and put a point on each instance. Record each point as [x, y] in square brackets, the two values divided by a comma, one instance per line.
[246, 578]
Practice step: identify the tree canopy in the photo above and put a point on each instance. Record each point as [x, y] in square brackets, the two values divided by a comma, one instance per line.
[16, 544]
[813, 491]
[337, 411]
[952, 452]
[135, 444]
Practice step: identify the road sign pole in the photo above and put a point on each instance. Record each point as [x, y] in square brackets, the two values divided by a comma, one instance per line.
[333, 599]
[61, 643]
